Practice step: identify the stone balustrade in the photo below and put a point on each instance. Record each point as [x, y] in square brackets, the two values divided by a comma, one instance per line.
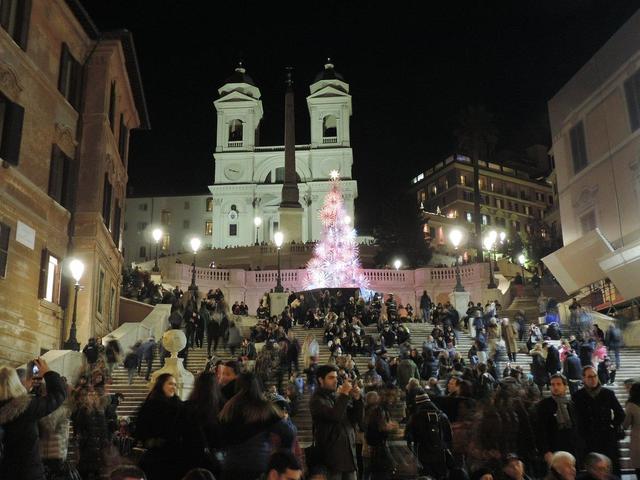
[406, 285]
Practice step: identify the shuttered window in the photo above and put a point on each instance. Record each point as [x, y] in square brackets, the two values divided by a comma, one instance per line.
[578, 147]
[70, 81]
[11, 119]
[106, 202]
[117, 219]
[59, 188]
[632, 93]
[50, 277]
[14, 19]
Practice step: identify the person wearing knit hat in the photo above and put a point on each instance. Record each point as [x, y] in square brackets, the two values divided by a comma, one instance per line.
[429, 428]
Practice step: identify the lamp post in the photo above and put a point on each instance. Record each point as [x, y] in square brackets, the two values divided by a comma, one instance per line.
[195, 246]
[455, 236]
[521, 260]
[157, 235]
[489, 243]
[502, 236]
[278, 237]
[77, 269]
[257, 222]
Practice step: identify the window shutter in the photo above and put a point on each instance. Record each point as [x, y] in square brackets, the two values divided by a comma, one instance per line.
[44, 267]
[5, 234]
[76, 84]
[106, 202]
[65, 285]
[56, 174]
[23, 32]
[12, 133]
[116, 225]
[64, 66]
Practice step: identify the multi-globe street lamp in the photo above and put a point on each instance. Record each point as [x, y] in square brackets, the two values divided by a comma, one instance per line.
[77, 269]
[157, 235]
[278, 238]
[455, 236]
[195, 246]
[257, 221]
[521, 260]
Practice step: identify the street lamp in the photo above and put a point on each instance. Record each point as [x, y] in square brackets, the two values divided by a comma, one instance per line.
[157, 235]
[195, 246]
[257, 222]
[489, 243]
[521, 260]
[397, 263]
[278, 237]
[77, 269]
[455, 236]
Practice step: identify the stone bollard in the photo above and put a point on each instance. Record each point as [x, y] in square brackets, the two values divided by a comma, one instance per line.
[174, 341]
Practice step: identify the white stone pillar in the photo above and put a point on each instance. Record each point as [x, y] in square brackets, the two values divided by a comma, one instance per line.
[174, 341]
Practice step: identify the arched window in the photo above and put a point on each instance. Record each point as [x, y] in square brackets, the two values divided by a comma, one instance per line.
[329, 126]
[235, 131]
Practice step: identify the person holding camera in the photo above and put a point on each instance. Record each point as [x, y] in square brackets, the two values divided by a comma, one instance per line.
[19, 415]
[335, 411]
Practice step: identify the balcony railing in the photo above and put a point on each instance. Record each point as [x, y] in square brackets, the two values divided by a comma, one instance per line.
[234, 144]
[329, 139]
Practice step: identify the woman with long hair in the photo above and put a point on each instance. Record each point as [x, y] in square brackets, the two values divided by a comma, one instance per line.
[160, 428]
[202, 431]
[632, 419]
[19, 415]
[247, 421]
[90, 429]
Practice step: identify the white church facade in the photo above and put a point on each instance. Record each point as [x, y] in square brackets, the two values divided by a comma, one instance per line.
[248, 177]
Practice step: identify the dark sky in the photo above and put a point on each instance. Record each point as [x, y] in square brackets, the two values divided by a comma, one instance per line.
[412, 67]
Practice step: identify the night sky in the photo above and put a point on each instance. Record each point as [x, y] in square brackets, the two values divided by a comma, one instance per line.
[412, 67]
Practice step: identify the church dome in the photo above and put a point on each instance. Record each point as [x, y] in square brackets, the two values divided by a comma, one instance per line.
[240, 75]
[329, 73]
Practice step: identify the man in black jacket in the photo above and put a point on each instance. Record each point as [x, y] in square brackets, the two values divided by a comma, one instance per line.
[599, 417]
[557, 423]
[572, 370]
[430, 430]
[335, 412]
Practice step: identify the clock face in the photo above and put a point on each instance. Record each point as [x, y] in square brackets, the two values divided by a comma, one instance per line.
[233, 172]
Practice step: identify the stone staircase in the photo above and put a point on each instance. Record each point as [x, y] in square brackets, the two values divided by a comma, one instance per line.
[135, 394]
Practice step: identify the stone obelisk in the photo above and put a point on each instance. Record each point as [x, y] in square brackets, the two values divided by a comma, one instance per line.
[290, 210]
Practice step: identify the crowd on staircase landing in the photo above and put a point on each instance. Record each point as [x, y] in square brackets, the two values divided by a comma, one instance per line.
[466, 414]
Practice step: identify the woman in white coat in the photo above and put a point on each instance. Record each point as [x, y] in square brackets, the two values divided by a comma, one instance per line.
[632, 419]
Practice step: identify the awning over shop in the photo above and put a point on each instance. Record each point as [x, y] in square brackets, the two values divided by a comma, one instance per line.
[623, 268]
[576, 265]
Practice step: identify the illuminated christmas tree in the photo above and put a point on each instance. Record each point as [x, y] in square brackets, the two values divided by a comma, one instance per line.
[335, 262]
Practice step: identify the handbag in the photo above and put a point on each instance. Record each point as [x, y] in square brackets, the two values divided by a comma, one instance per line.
[405, 462]
[313, 454]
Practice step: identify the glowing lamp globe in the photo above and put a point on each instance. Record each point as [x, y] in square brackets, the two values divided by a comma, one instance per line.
[456, 237]
[503, 235]
[157, 234]
[397, 263]
[77, 269]
[278, 237]
[488, 242]
[257, 222]
[195, 244]
[521, 259]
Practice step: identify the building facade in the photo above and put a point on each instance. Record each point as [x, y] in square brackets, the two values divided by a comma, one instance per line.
[69, 96]
[179, 217]
[510, 200]
[248, 177]
[595, 127]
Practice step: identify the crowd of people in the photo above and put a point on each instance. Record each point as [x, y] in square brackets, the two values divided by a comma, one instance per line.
[431, 410]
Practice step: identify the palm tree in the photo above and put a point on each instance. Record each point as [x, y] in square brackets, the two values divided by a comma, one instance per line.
[477, 136]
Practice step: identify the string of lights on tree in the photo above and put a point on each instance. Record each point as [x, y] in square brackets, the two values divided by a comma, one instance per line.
[335, 262]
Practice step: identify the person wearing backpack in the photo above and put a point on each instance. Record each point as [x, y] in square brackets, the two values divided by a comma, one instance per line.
[430, 430]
